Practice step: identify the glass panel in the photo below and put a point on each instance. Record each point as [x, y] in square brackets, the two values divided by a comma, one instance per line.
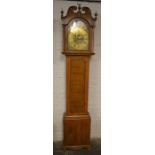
[78, 36]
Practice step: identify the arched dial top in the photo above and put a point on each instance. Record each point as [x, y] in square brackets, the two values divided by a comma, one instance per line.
[78, 31]
[78, 35]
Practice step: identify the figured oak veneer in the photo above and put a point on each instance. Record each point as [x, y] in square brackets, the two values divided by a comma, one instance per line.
[77, 84]
[78, 131]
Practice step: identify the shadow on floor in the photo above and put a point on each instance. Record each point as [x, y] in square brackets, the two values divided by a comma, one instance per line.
[94, 150]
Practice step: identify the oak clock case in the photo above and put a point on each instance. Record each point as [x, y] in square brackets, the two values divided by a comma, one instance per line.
[78, 37]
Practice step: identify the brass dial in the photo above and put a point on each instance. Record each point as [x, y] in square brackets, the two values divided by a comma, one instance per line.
[78, 36]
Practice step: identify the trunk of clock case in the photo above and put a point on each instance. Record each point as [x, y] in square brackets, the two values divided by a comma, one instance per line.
[77, 84]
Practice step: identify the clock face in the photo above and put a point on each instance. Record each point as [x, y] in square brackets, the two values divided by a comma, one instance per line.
[78, 36]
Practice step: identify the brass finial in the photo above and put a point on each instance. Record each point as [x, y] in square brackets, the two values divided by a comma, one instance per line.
[95, 16]
[62, 12]
[79, 7]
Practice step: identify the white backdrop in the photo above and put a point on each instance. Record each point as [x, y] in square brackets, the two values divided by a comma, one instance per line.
[128, 77]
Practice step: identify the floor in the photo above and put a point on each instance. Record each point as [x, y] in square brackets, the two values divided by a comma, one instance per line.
[94, 150]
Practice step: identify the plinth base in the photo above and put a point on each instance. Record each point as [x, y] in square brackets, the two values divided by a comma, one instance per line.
[76, 131]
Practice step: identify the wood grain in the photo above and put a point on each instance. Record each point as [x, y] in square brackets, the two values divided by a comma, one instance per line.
[77, 84]
[77, 131]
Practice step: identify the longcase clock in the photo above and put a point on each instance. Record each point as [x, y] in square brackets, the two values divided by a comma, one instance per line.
[78, 41]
